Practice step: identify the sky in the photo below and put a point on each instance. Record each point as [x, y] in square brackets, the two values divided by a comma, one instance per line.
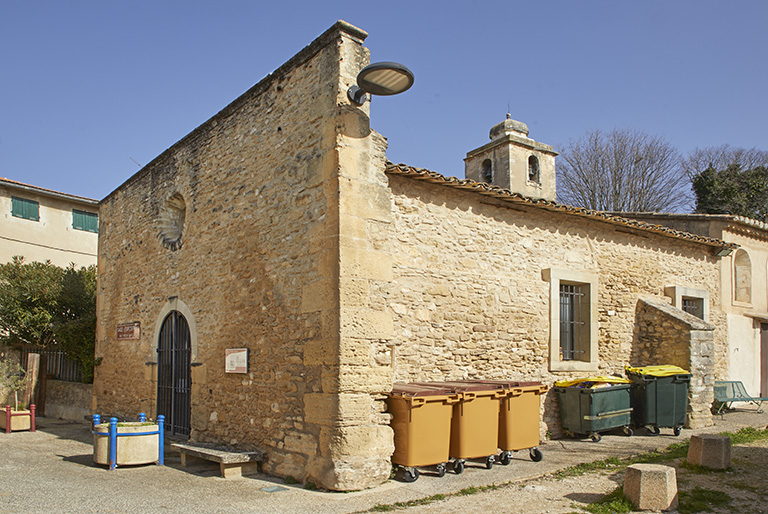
[91, 90]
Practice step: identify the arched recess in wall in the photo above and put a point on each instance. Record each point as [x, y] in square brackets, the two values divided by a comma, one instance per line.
[174, 304]
[742, 277]
[486, 173]
[534, 172]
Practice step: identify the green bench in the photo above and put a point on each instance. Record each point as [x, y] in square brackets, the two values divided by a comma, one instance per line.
[728, 392]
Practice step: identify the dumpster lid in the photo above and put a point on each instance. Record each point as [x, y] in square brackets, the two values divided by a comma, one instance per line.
[411, 390]
[457, 386]
[657, 371]
[592, 381]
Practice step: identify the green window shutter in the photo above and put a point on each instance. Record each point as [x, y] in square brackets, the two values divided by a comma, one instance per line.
[23, 208]
[82, 220]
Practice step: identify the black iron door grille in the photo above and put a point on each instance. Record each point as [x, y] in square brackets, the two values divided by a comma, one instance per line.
[174, 355]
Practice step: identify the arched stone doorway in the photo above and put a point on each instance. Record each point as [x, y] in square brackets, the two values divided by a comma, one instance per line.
[174, 380]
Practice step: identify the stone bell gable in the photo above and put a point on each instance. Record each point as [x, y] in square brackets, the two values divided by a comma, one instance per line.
[514, 161]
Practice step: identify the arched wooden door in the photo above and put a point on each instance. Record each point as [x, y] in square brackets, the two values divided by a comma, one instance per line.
[174, 359]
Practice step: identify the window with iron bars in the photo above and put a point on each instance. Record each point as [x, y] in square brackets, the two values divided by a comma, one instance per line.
[572, 303]
[693, 306]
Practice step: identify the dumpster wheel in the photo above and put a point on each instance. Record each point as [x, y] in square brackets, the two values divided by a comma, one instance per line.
[536, 455]
[628, 431]
[595, 437]
[411, 474]
[678, 430]
[441, 469]
[655, 430]
[489, 461]
[505, 458]
[458, 466]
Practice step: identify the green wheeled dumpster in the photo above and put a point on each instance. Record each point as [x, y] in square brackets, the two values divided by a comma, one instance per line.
[595, 404]
[660, 397]
[475, 422]
[421, 420]
[519, 418]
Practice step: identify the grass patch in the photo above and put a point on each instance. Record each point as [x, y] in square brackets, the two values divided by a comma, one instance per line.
[747, 435]
[411, 503]
[589, 467]
[467, 491]
[611, 503]
[746, 487]
[702, 470]
[701, 500]
[290, 480]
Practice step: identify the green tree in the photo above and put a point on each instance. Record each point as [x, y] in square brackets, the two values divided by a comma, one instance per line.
[29, 295]
[45, 305]
[75, 318]
[721, 157]
[733, 191]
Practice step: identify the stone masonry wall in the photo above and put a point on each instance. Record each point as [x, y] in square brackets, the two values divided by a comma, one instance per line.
[469, 301]
[68, 400]
[257, 268]
[670, 336]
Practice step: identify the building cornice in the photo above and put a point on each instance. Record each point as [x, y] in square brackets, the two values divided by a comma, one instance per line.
[28, 188]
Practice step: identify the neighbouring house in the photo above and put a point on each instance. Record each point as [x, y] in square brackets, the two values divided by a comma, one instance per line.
[40, 225]
[44, 225]
[743, 284]
[265, 280]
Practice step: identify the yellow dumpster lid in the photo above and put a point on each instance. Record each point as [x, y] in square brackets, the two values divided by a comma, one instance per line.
[594, 381]
[657, 371]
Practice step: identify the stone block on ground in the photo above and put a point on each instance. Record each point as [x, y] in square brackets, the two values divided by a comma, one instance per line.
[651, 487]
[710, 450]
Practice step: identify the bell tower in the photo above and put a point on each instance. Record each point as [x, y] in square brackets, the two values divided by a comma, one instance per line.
[514, 161]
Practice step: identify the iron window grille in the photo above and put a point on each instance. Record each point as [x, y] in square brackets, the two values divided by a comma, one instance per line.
[572, 298]
[693, 306]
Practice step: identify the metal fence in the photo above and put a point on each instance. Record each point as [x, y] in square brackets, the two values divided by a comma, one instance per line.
[58, 365]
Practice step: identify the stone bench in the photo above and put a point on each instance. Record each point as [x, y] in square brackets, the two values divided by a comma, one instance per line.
[232, 463]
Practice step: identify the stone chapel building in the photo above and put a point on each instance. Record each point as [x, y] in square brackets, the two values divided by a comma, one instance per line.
[265, 281]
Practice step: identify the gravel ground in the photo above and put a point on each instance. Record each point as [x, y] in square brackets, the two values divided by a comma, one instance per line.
[51, 471]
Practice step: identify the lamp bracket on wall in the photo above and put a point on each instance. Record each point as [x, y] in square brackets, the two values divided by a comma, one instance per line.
[381, 78]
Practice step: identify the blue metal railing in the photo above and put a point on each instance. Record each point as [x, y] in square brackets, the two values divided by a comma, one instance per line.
[113, 435]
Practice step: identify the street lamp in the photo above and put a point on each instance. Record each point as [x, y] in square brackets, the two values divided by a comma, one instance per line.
[381, 78]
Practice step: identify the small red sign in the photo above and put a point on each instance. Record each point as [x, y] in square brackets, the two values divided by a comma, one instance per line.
[129, 331]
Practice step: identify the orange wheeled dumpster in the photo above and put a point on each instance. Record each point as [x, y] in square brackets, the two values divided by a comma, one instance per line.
[519, 418]
[475, 422]
[421, 420]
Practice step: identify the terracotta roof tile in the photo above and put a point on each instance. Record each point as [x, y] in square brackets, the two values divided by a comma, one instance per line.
[43, 190]
[742, 220]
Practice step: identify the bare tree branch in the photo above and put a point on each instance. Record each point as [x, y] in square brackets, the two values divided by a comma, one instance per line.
[622, 170]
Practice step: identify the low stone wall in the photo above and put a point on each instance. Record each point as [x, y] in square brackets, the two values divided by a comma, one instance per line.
[68, 400]
[668, 335]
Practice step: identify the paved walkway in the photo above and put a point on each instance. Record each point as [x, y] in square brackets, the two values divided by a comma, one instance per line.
[51, 471]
